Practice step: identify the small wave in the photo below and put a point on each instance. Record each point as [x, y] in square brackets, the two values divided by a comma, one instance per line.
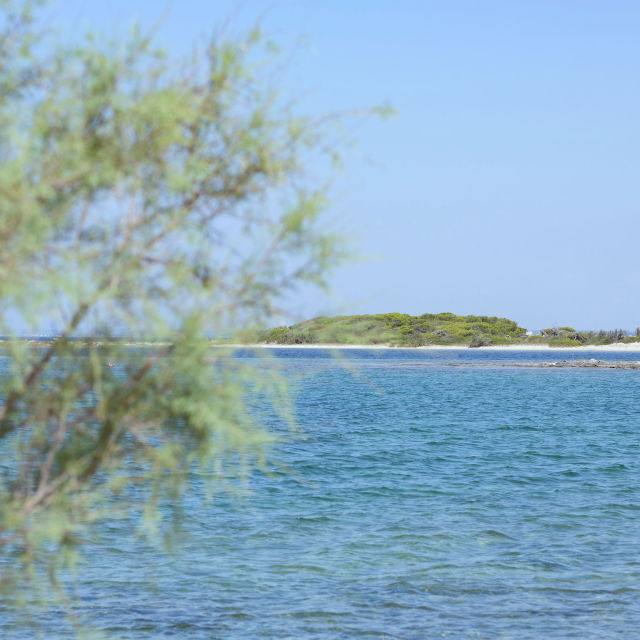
[494, 533]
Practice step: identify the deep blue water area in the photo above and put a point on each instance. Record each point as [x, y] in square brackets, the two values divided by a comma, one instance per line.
[414, 502]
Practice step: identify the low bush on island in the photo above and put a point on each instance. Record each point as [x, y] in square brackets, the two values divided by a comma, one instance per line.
[398, 329]
[403, 330]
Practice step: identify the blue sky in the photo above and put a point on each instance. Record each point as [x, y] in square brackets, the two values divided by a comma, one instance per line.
[507, 183]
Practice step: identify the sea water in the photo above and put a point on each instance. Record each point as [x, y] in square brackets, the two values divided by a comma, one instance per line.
[416, 500]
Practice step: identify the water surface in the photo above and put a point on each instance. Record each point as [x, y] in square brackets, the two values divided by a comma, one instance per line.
[416, 502]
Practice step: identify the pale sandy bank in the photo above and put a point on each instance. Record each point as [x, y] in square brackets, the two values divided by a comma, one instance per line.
[619, 346]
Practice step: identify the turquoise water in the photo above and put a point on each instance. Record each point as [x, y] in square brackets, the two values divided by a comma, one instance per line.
[418, 501]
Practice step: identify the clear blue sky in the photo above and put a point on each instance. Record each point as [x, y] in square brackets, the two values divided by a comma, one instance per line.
[507, 184]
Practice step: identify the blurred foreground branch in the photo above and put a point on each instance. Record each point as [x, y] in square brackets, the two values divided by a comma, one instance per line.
[137, 200]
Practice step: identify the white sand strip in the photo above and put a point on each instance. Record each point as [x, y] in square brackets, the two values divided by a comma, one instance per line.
[618, 346]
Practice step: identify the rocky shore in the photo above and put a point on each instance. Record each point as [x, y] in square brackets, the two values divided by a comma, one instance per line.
[562, 364]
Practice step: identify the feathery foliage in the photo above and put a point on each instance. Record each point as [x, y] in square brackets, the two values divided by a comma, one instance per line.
[145, 198]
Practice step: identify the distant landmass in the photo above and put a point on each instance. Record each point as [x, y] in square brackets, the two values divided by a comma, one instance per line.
[403, 330]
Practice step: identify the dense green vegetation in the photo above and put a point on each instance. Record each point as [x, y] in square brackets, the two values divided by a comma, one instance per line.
[398, 329]
[401, 329]
[568, 336]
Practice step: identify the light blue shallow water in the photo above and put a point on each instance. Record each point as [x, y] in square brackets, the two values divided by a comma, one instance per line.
[418, 502]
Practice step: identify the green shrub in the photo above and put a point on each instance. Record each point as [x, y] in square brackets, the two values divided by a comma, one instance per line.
[401, 329]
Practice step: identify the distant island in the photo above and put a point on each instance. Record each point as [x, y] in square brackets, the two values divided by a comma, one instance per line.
[403, 330]
[378, 330]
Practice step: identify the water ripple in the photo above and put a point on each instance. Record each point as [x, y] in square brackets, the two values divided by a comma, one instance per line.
[421, 502]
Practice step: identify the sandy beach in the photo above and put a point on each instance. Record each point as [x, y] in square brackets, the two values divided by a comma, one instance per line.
[619, 346]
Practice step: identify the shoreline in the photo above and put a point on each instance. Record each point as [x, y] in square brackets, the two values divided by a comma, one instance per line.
[618, 346]
[565, 364]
